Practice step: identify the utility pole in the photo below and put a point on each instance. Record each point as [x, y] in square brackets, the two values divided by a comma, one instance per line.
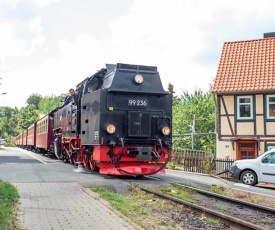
[192, 125]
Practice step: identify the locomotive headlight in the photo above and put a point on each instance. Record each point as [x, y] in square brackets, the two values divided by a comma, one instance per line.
[138, 79]
[110, 128]
[165, 130]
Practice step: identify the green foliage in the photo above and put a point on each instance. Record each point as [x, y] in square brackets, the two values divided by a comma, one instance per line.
[47, 104]
[8, 121]
[13, 121]
[202, 105]
[8, 199]
[27, 116]
[34, 99]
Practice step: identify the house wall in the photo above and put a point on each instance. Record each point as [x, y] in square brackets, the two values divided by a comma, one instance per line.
[257, 129]
[225, 127]
[229, 102]
[260, 125]
[225, 148]
[245, 128]
[259, 104]
[270, 128]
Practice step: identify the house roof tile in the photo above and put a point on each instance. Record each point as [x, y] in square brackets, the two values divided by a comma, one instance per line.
[246, 65]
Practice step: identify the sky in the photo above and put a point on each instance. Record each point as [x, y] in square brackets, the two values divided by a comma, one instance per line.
[49, 46]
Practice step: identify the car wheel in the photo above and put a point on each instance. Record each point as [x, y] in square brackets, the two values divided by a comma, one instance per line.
[249, 177]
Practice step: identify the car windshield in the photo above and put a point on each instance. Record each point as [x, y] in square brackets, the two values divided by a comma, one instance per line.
[269, 151]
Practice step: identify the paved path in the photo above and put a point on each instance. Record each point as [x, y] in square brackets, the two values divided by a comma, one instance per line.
[64, 206]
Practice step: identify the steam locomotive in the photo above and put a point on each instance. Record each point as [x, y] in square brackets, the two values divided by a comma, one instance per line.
[119, 124]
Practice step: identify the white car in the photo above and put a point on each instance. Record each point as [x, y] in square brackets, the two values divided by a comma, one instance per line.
[253, 171]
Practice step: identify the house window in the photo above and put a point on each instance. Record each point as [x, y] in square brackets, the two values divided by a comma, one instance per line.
[269, 146]
[270, 106]
[244, 107]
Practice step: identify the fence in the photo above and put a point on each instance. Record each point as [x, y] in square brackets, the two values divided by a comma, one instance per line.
[200, 162]
[222, 167]
[192, 160]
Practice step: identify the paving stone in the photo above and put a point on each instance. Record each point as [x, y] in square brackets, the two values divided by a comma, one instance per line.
[64, 206]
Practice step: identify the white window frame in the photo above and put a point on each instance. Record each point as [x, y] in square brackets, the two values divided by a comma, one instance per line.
[245, 103]
[267, 106]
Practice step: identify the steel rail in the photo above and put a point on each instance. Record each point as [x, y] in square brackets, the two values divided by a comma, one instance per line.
[234, 220]
[222, 197]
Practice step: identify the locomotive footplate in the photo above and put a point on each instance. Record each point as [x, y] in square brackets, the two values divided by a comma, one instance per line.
[141, 153]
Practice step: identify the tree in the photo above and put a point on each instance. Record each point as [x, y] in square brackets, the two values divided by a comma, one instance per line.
[8, 121]
[34, 99]
[202, 105]
[27, 116]
[47, 104]
[14, 121]
[175, 99]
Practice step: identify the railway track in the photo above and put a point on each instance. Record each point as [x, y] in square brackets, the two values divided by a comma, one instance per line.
[237, 213]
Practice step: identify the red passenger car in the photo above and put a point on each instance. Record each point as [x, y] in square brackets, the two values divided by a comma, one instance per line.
[44, 133]
[18, 140]
[31, 138]
[24, 139]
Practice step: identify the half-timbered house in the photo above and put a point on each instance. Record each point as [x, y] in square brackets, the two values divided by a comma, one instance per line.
[244, 89]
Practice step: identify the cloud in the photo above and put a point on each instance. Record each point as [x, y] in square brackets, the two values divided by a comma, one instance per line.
[8, 3]
[185, 38]
[53, 45]
[20, 35]
[45, 3]
[83, 45]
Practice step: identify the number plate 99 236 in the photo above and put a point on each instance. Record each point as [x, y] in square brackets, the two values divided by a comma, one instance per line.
[137, 102]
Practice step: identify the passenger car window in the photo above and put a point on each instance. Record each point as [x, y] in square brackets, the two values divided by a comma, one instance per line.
[270, 158]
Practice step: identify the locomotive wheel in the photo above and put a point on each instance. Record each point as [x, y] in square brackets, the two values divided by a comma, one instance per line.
[92, 164]
[85, 161]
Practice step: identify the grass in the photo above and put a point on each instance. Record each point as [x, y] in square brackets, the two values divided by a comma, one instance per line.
[212, 222]
[219, 189]
[152, 212]
[147, 210]
[223, 208]
[119, 202]
[142, 208]
[179, 192]
[124, 204]
[263, 221]
[242, 195]
[8, 200]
